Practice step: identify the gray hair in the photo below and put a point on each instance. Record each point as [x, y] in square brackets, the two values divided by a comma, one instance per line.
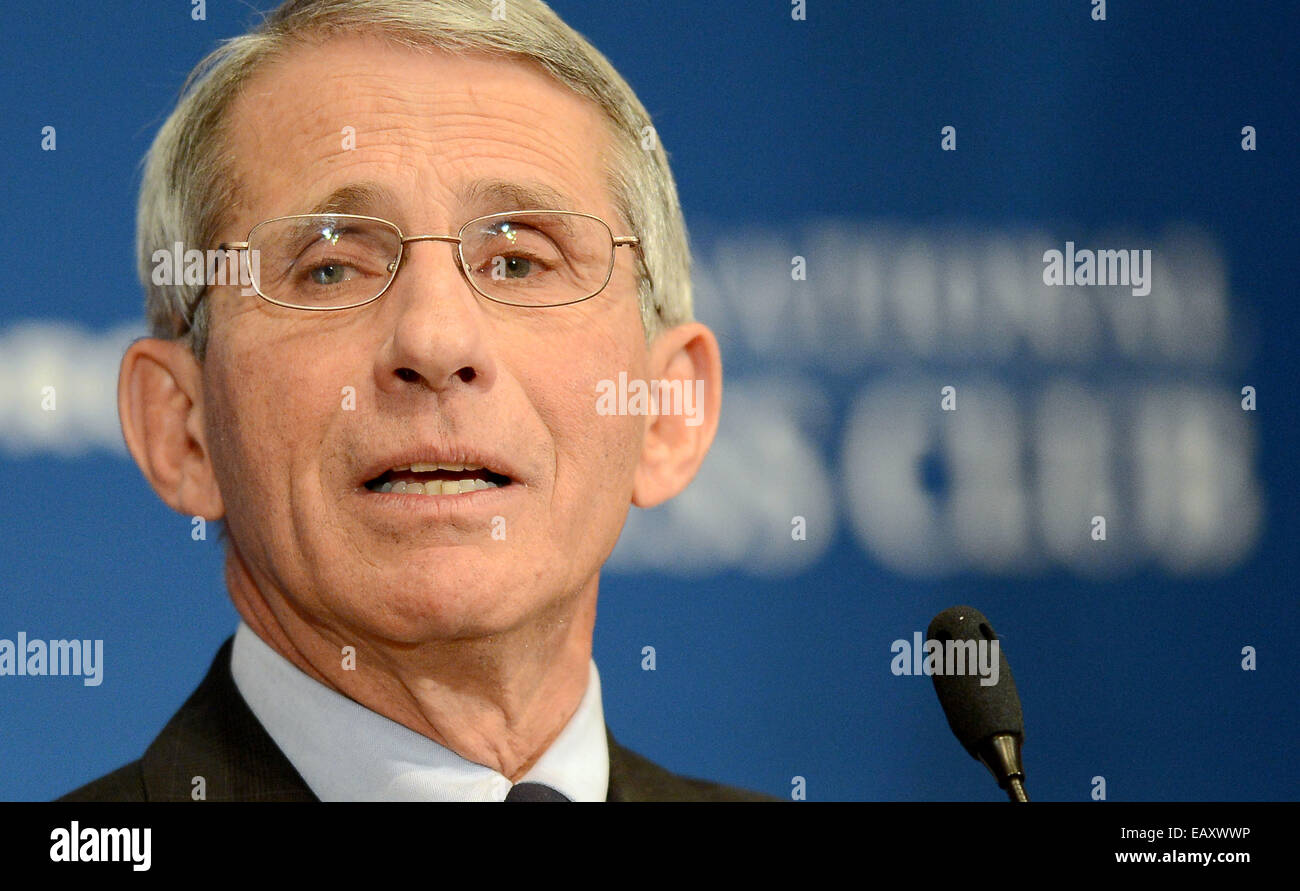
[187, 183]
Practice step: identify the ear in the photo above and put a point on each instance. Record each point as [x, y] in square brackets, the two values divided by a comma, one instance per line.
[160, 401]
[679, 436]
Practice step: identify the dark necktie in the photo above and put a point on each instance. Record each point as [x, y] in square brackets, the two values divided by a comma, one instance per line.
[534, 792]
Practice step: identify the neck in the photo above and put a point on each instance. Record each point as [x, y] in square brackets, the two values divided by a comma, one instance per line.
[499, 700]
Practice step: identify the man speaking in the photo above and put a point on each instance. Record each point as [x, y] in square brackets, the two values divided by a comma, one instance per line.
[440, 231]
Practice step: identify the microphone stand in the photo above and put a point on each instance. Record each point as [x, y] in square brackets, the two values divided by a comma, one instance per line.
[1000, 753]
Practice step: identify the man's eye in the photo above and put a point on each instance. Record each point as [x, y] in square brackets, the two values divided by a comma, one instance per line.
[511, 267]
[517, 267]
[329, 274]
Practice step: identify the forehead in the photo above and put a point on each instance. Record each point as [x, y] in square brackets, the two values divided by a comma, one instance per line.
[421, 136]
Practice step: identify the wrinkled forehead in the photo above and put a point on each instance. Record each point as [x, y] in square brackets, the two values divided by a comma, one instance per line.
[425, 137]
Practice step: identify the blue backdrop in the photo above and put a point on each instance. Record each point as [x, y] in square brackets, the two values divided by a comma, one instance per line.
[812, 146]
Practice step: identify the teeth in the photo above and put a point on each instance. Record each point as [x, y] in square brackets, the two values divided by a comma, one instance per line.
[438, 487]
[429, 468]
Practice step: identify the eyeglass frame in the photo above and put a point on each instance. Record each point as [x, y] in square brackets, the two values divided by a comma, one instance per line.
[616, 241]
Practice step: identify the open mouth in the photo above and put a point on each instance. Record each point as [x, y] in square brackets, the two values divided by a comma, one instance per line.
[437, 479]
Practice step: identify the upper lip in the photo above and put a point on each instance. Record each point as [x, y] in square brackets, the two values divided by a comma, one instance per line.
[470, 457]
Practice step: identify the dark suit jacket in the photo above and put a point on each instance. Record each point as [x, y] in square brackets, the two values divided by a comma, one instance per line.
[216, 736]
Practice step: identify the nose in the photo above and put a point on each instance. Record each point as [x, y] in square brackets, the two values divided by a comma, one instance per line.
[437, 338]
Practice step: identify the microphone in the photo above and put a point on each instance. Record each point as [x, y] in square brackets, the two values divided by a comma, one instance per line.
[985, 717]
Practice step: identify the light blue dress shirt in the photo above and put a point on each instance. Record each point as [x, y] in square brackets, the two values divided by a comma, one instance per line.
[346, 752]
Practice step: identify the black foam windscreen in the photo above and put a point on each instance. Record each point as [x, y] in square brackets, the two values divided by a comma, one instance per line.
[975, 712]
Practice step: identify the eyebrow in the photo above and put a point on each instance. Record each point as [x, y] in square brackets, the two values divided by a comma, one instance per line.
[355, 198]
[481, 196]
[502, 194]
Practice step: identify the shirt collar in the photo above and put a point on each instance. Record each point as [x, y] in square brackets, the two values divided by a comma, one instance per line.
[346, 752]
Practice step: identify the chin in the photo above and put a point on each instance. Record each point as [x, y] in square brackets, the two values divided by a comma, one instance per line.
[415, 607]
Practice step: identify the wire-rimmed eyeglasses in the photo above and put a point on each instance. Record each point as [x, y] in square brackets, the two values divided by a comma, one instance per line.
[333, 261]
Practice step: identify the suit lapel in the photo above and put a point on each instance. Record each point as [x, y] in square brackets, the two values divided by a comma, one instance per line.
[215, 736]
[634, 778]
